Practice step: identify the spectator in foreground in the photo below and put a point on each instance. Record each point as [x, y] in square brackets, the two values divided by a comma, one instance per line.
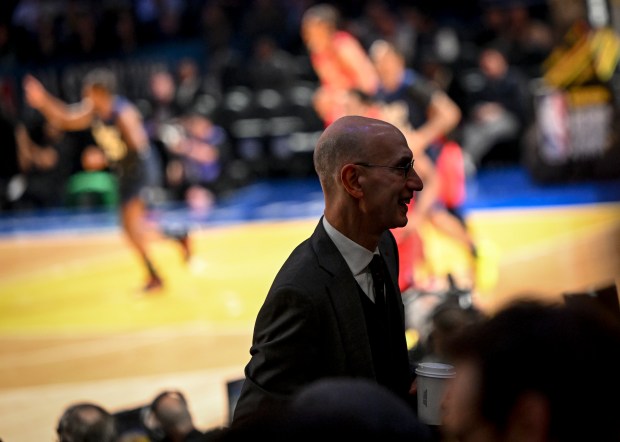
[171, 420]
[337, 409]
[167, 418]
[536, 372]
[86, 422]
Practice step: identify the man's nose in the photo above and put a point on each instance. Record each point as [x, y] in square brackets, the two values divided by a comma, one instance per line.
[415, 181]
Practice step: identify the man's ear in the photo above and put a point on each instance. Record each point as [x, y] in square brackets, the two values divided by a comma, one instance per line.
[350, 176]
[530, 419]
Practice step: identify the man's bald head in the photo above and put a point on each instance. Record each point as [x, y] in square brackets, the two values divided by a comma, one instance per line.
[346, 140]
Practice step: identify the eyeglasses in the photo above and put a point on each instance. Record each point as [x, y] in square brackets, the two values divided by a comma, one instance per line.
[407, 168]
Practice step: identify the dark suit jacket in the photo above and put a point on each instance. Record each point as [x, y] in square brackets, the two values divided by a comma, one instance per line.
[312, 326]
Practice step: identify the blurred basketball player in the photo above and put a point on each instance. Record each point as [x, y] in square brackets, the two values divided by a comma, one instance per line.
[338, 59]
[117, 128]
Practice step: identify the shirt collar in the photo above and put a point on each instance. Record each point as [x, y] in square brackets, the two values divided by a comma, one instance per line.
[357, 257]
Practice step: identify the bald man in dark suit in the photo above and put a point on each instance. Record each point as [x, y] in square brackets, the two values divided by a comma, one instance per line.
[322, 317]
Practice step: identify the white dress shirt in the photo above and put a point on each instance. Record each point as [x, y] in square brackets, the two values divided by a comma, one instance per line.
[356, 257]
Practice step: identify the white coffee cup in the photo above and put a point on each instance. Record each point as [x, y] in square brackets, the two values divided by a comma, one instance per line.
[431, 381]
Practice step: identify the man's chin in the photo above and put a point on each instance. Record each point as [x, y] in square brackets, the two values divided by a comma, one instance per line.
[401, 223]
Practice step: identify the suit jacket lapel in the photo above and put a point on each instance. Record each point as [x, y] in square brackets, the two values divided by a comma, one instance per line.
[344, 293]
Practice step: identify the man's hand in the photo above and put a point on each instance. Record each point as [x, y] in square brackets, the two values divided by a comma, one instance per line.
[413, 389]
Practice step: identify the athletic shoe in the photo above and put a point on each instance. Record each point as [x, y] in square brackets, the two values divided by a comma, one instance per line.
[154, 283]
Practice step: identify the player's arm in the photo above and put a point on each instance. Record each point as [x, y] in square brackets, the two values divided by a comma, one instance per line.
[66, 116]
[442, 113]
[129, 123]
[353, 56]
[443, 116]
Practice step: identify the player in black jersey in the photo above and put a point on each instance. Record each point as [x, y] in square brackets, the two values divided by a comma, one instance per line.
[118, 129]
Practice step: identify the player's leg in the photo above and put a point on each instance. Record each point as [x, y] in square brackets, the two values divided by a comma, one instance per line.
[446, 222]
[150, 184]
[180, 234]
[133, 223]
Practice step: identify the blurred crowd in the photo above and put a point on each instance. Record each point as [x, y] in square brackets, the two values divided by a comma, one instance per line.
[226, 87]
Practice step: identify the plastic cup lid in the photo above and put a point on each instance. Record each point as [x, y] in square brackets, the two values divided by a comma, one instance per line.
[435, 370]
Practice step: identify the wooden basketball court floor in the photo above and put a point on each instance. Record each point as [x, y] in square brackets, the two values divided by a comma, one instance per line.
[75, 327]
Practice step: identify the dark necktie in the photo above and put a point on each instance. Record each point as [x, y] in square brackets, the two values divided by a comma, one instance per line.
[378, 279]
